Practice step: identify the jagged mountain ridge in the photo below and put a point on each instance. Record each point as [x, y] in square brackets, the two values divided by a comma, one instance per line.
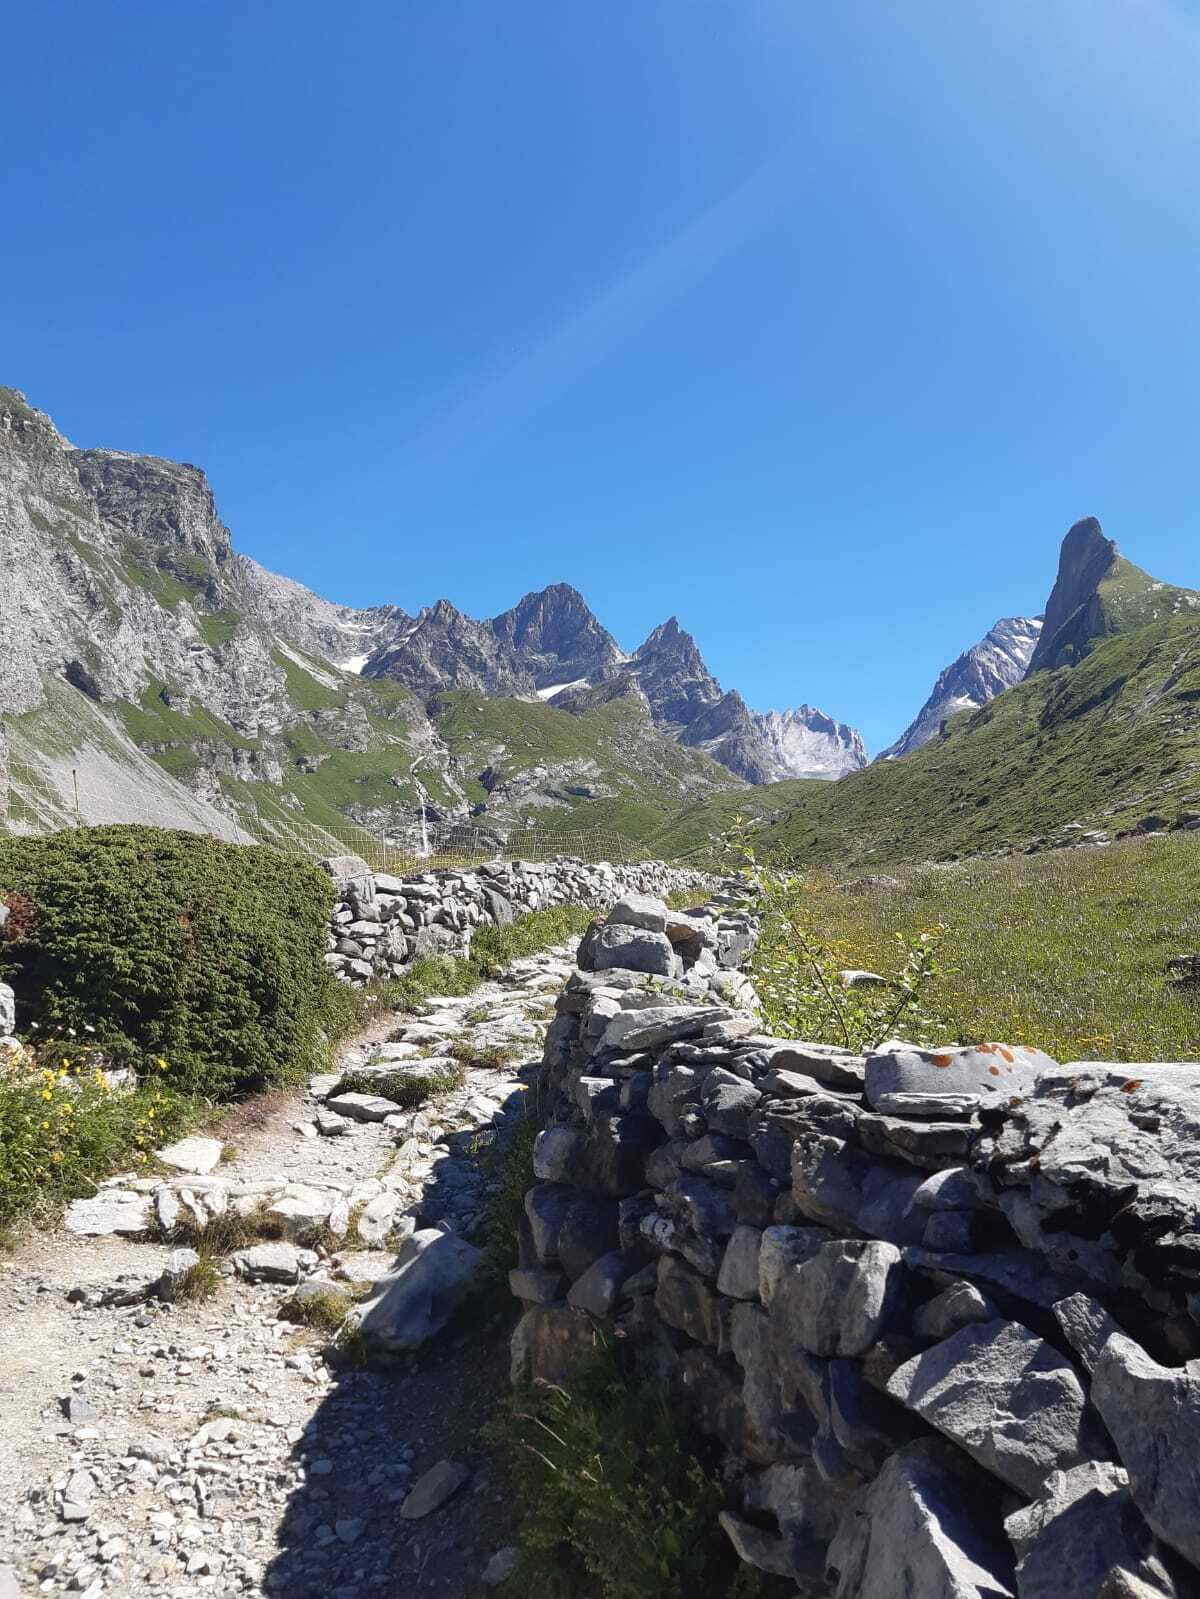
[997, 662]
[550, 644]
[179, 682]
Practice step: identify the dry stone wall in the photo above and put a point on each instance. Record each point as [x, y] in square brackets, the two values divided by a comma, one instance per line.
[941, 1308]
[380, 922]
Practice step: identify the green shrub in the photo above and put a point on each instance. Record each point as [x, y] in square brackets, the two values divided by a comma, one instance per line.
[611, 1496]
[493, 949]
[408, 1085]
[172, 944]
[435, 974]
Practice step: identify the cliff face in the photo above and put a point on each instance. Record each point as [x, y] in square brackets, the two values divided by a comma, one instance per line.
[1098, 594]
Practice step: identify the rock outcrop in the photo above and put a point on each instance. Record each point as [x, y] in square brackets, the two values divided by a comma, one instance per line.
[1000, 659]
[937, 1307]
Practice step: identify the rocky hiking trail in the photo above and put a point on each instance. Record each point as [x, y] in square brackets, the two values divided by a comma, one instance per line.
[165, 1448]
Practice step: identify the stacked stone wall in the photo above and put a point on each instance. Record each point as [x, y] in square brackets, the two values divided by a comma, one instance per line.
[941, 1308]
[381, 922]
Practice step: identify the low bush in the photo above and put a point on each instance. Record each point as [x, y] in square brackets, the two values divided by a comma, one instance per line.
[176, 945]
[430, 976]
[613, 1497]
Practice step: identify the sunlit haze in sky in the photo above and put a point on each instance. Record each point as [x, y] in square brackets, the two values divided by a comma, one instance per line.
[814, 325]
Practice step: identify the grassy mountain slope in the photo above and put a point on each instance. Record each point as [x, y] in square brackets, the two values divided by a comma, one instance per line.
[1101, 744]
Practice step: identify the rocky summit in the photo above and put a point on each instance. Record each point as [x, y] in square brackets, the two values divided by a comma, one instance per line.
[1000, 659]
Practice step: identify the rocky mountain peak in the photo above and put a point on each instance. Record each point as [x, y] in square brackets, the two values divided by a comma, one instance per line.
[1000, 659]
[557, 632]
[1085, 560]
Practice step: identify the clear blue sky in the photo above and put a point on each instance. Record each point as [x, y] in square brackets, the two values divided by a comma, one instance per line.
[815, 324]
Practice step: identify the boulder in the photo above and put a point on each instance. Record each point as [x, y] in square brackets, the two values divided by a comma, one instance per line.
[8, 1010]
[433, 1274]
[1153, 1414]
[738, 1276]
[1007, 1398]
[960, 1305]
[927, 1526]
[782, 1248]
[639, 910]
[838, 1302]
[1081, 1531]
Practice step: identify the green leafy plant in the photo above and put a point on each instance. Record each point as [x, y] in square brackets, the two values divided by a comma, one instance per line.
[801, 976]
[612, 1495]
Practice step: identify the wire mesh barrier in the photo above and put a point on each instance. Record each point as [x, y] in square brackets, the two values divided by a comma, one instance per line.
[83, 801]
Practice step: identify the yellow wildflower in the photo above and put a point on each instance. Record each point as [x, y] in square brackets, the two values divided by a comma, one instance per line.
[57, 1157]
[46, 1094]
[162, 1065]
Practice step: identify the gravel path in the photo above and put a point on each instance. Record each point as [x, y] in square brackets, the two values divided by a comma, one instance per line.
[208, 1448]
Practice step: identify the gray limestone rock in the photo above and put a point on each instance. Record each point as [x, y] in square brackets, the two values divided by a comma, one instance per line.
[8, 1005]
[1087, 1325]
[596, 1291]
[363, 1107]
[728, 1103]
[639, 910]
[1081, 1532]
[634, 950]
[112, 1210]
[738, 1276]
[433, 1274]
[927, 1527]
[989, 1072]
[838, 1302]
[1153, 1414]
[780, 1249]
[685, 1301]
[1006, 1397]
[269, 1263]
[431, 1491]
[956, 1307]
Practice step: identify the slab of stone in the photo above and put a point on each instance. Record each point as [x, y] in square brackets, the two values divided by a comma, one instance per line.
[782, 1248]
[987, 1072]
[363, 1107]
[685, 1301]
[431, 1491]
[433, 1274]
[655, 1025]
[728, 1102]
[1153, 1414]
[112, 1210]
[927, 1526]
[834, 1067]
[597, 1289]
[640, 910]
[838, 1302]
[1087, 1326]
[1006, 1397]
[1082, 1530]
[272, 1263]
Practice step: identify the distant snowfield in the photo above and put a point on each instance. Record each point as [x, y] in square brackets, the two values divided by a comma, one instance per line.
[557, 688]
[354, 663]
